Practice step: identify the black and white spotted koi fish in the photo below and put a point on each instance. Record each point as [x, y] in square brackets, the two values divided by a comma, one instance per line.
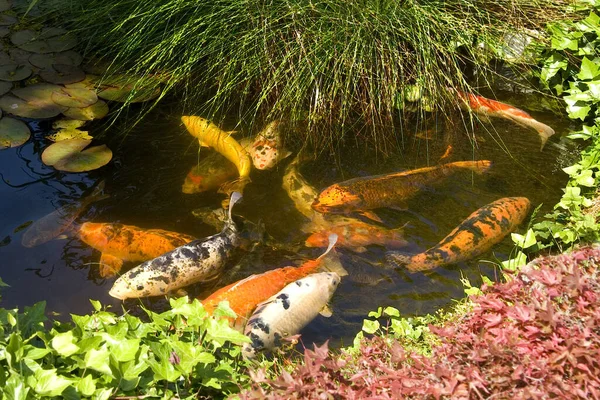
[290, 310]
[196, 261]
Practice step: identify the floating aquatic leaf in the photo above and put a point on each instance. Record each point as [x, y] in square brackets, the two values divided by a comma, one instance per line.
[4, 31]
[67, 155]
[49, 40]
[95, 111]
[13, 132]
[67, 124]
[14, 72]
[67, 134]
[63, 74]
[5, 87]
[7, 20]
[46, 61]
[21, 37]
[19, 56]
[75, 97]
[40, 92]
[22, 108]
[5, 5]
[90, 82]
[121, 88]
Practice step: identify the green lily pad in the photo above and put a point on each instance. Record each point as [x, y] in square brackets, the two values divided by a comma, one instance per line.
[5, 5]
[73, 97]
[16, 106]
[14, 72]
[128, 93]
[4, 31]
[7, 20]
[67, 155]
[95, 111]
[49, 40]
[67, 134]
[46, 61]
[63, 74]
[67, 124]
[5, 87]
[13, 132]
[39, 92]
[19, 56]
[90, 82]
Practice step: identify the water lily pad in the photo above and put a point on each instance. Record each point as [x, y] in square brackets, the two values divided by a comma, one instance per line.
[7, 20]
[5, 5]
[38, 93]
[95, 111]
[49, 40]
[14, 72]
[63, 74]
[5, 87]
[22, 108]
[74, 97]
[67, 134]
[67, 124]
[19, 56]
[13, 132]
[4, 31]
[129, 93]
[46, 61]
[90, 82]
[67, 155]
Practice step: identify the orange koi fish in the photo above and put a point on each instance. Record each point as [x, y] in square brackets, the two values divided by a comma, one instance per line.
[246, 294]
[209, 174]
[119, 243]
[210, 135]
[356, 235]
[493, 108]
[474, 236]
[388, 190]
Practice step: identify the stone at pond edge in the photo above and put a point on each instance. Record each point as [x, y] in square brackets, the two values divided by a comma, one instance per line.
[95, 111]
[13, 132]
[67, 155]
[14, 105]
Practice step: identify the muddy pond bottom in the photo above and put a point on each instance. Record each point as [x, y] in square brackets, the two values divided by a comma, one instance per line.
[144, 183]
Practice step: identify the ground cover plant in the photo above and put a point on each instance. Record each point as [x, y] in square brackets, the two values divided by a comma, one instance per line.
[334, 65]
[535, 336]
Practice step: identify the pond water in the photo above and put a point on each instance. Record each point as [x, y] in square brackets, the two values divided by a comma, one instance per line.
[144, 182]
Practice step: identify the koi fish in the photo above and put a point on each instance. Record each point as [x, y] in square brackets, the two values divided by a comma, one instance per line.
[209, 174]
[288, 311]
[210, 135]
[199, 260]
[58, 221]
[388, 190]
[119, 243]
[356, 235]
[244, 295]
[493, 108]
[300, 191]
[266, 150]
[474, 236]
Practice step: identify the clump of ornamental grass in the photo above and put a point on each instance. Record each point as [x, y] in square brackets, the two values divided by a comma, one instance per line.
[337, 65]
[535, 336]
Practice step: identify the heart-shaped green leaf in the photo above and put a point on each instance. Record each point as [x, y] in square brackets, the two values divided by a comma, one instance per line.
[97, 110]
[67, 155]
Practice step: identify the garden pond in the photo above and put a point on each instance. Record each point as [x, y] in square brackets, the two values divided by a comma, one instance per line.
[151, 160]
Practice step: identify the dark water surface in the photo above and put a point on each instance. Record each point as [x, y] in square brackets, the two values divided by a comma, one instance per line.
[144, 182]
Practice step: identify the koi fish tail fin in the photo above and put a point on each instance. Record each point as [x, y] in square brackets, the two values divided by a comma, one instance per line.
[396, 259]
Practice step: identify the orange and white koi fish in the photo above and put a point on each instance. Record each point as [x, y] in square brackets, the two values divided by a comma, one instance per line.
[493, 108]
[119, 243]
[389, 190]
[209, 174]
[267, 150]
[474, 236]
[58, 221]
[356, 235]
[210, 135]
[244, 295]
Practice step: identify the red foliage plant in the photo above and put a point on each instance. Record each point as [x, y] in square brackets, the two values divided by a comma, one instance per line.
[536, 336]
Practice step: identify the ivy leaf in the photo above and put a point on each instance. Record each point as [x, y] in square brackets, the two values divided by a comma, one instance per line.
[125, 349]
[392, 312]
[87, 385]
[15, 388]
[98, 360]
[514, 263]
[552, 65]
[578, 111]
[524, 241]
[589, 69]
[64, 344]
[48, 383]
[96, 304]
[370, 326]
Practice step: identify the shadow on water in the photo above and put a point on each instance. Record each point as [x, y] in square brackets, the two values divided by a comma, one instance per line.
[144, 182]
